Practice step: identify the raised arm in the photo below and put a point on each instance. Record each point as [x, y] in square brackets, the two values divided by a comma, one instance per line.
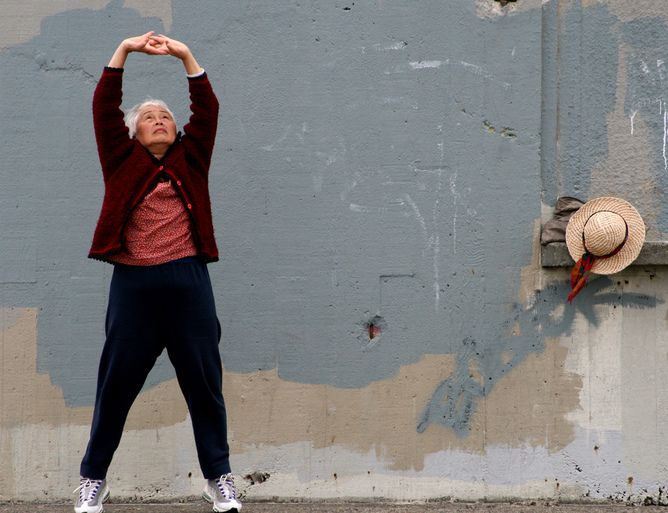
[200, 131]
[113, 141]
[111, 134]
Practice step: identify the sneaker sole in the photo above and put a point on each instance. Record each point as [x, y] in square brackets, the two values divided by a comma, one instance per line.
[209, 499]
[101, 510]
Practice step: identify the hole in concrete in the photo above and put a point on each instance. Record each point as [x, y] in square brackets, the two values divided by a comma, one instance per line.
[374, 327]
[257, 477]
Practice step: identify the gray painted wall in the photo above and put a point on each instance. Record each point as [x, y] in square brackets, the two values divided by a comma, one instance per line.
[357, 174]
[380, 162]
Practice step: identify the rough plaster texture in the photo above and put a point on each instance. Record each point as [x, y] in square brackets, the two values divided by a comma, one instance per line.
[378, 185]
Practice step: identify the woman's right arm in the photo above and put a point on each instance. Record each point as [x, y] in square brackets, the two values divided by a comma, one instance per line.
[111, 134]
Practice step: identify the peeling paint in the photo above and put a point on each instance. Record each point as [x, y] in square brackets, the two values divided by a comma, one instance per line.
[19, 378]
[499, 8]
[20, 21]
[515, 412]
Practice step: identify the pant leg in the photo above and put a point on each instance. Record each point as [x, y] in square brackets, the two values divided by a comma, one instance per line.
[133, 343]
[193, 350]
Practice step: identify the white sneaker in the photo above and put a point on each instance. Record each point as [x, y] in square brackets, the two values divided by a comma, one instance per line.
[92, 493]
[222, 494]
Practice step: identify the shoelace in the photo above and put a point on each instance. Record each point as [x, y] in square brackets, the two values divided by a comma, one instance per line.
[88, 489]
[226, 486]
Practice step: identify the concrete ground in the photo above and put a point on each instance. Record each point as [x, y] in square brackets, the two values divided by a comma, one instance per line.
[345, 507]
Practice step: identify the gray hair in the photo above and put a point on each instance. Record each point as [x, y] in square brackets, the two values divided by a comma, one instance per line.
[132, 115]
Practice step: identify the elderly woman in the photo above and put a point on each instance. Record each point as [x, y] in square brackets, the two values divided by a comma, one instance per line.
[155, 226]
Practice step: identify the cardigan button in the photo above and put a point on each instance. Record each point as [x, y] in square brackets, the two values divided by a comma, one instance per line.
[178, 182]
[161, 168]
[190, 207]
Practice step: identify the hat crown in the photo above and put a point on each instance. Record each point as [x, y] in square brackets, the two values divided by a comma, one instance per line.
[604, 232]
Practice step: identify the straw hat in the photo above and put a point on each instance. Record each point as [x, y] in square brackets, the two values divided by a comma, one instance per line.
[609, 229]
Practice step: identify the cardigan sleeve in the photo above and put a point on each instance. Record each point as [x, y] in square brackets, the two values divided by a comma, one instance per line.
[112, 136]
[200, 131]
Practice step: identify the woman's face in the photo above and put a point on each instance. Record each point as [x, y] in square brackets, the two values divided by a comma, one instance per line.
[155, 127]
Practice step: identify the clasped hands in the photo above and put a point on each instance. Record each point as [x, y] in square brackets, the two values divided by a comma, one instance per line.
[153, 44]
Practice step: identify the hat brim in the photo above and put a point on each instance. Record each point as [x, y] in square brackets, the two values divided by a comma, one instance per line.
[632, 246]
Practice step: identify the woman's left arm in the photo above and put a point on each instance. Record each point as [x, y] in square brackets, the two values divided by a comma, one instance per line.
[200, 131]
[178, 50]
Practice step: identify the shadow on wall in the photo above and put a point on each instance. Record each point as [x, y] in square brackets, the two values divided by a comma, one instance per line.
[454, 400]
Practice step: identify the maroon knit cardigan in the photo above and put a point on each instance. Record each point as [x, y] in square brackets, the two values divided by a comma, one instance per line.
[130, 170]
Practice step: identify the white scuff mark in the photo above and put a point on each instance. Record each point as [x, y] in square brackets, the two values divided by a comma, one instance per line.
[436, 243]
[270, 147]
[300, 135]
[359, 208]
[435, 171]
[432, 242]
[398, 100]
[455, 196]
[365, 209]
[425, 64]
[513, 52]
[474, 67]
[665, 119]
[659, 66]
[633, 115]
[397, 69]
[478, 70]
[437, 282]
[644, 67]
[399, 45]
[349, 188]
[418, 216]
[290, 278]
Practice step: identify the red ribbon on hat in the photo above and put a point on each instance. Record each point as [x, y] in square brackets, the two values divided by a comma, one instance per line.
[582, 268]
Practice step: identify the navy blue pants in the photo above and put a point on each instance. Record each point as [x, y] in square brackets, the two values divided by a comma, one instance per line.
[168, 306]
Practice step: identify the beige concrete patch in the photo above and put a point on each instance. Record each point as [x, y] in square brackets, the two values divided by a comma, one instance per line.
[529, 406]
[627, 11]
[21, 19]
[643, 380]
[629, 164]
[27, 397]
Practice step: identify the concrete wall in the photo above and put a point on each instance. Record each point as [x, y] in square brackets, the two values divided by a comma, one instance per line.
[378, 186]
